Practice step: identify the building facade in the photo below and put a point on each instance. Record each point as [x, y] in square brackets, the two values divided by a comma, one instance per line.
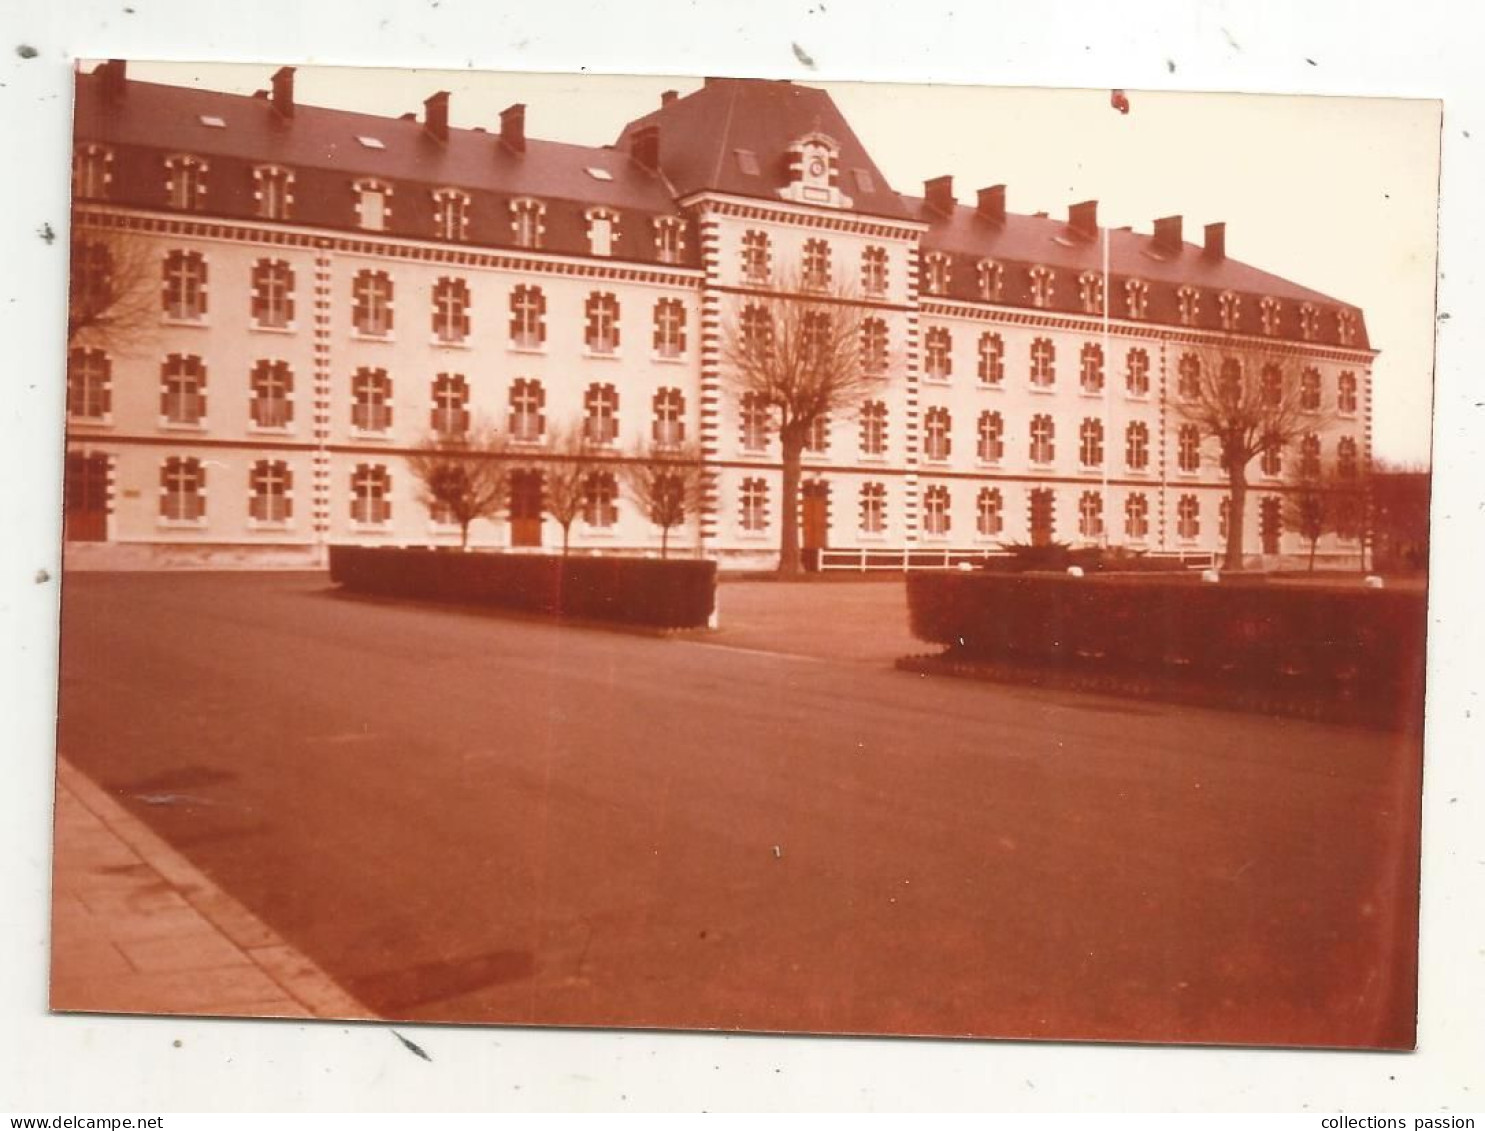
[294, 298]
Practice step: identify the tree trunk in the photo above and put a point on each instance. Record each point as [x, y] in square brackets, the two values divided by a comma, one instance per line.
[566, 531]
[1237, 481]
[1314, 542]
[464, 535]
[664, 541]
[793, 449]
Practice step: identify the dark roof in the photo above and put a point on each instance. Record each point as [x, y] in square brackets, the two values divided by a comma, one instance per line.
[702, 133]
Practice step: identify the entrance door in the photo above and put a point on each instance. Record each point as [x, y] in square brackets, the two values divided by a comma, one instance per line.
[1271, 524]
[526, 506]
[816, 500]
[86, 503]
[1041, 516]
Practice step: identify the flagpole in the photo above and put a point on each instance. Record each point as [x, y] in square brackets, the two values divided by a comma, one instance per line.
[1108, 380]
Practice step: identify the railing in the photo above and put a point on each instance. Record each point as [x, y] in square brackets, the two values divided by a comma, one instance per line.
[866, 560]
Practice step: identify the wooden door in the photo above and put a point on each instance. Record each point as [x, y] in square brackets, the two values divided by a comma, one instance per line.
[816, 505]
[526, 506]
[86, 498]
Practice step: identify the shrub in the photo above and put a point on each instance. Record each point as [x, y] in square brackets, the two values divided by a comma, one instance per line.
[1056, 557]
[659, 593]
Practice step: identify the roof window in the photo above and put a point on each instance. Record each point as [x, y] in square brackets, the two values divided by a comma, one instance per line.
[747, 161]
[371, 142]
[213, 121]
[599, 174]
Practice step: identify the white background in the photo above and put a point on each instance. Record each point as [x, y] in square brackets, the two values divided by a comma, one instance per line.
[1425, 48]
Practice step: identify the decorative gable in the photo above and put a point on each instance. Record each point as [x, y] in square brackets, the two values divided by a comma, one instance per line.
[814, 173]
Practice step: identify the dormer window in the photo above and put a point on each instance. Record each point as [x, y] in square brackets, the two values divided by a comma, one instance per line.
[991, 278]
[91, 172]
[451, 214]
[816, 269]
[1309, 321]
[1188, 304]
[1136, 297]
[373, 205]
[1041, 286]
[603, 230]
[1090, 292]
[1345, 324]
[273, 190]
[669, 239]
[1229, 309]
[526, 218]
[1268, 316]
[185, 182]
[936, 273]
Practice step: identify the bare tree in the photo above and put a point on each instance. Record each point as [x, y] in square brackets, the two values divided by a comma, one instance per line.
[464, 476]
[1309, 509]
[665, 483]
[565, 477]
[1248, 403]
[114, 297]
[798, 351]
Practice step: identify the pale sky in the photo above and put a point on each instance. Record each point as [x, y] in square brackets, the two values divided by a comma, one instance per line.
[1337, 194]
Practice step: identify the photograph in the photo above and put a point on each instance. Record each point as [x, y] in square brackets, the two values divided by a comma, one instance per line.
[745, 555]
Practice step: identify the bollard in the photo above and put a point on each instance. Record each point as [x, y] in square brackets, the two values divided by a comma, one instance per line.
[1074, 571]
[1372, 581]
[1210, 576]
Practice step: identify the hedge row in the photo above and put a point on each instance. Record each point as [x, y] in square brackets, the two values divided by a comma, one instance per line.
[658, 593]
[1359, 647]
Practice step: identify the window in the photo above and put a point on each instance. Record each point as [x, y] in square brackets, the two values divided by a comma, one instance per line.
[272, 384]
[757, 330]
[1041, 286]
[1229, 309]
[89, 384]
[373, 205]
[185, 286]
[1043, 363]
[1188, 517]
[1090, 442]
[1347, 518]
[1090, 292]
[670, 328]
[600, 414]
[1188, 377]
[1309, 390]
[1345, 399]
[936, 511]
[936, 428]
[1090, 514]
[669, 429]
[1137, 517]
[1137, 445]
[817, 439]
[938, 350]
[371, 303]
[756, 258]
[816, 334]
[526, 223]
[273, 190]
[1346, 457]
[603, 230]
[1230, 381]
[450, 214]
[1224, 516]
[873, 428]
[816, 272]
[989, 512]
[1092, 367]
[1136, 297]
[669, 239]
[450, 415]
[183, 390]
[269, 484]
[600, 499]
[528, 318]
[991, 279]
[1188, 305]
[1268, 316]
[371, 400]
[992, 359]
[602, 331]
[527, 400]
[1345, 326]
[874, 271]
[754, 504]
[1188, 448]
[182, 490]
[273, 294]
[371, 487]
[936, 273]
[1272, 386]
[450, 310]
[92, 280]
[873, 508]
[1309, 321]
[185, 182]
[1309, 457]
[1137, 373]
[1272, 461]
[90, 172]
[873, 346]
[754, 417]
[1043, 439]
[991, 437]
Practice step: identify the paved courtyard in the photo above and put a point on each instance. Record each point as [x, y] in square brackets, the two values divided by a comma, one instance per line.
[471, 818]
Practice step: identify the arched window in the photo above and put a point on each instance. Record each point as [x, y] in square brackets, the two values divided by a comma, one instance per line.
[450, 310]
[527, 421]
[450, 414]
[991, 437]
[669, 428]
[937, 425]
[272, 404]
[601, 414]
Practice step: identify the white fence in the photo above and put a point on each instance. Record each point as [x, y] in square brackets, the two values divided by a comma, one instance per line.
[872, 560]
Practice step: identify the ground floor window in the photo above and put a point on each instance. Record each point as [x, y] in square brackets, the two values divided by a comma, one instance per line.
[182, 490]
[1136, 517]
[1090, 515]
[371, 488]
[1188, 517]
[269, 483]
[600, 500]
[936, 510]
[873, 508]
[754, 504]
[988, 519]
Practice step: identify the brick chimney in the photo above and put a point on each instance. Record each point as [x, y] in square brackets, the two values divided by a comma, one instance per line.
[1216, 245]
[1082, 220]
[513, 127]
[644, 147]
[939, 193]
[283, 92]
[112, 75]
[436, 115]
[668, 96]
[991, 204]
[1168, 235]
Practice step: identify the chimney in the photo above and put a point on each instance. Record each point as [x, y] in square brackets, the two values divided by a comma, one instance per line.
[668, 96]
[1216, 246]
[112, 75]
[1082, 220]
[513, 127]
[283, 92]
[1168, 235]
[939, 193]
[991, 204]
[436, 115]
[644, 147]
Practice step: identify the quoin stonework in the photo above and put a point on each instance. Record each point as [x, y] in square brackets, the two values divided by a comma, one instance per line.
[326, 289]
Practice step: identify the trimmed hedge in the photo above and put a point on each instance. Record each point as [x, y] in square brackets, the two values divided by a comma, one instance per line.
[658, 593]
[1023, 557]
[1304, 645]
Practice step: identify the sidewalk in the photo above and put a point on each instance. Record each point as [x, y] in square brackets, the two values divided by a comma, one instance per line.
[137, 929]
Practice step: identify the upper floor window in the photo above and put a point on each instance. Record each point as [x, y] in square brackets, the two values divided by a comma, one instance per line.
[992, 359]
[273, 294]
[450, 413]
[1043, 362]
[1136, 298]
[938, 348]
[1345, 400]
[873, 508]
[817, 439]
[754, 418]
[1090, 514]
[670, 241]
[1268, 316]
[603, 230]
[1309, 456]
[600, 414]
[1137, 372]
[450, 310]
[1137, 445]
[371, 491]
[1188, 305]
[873, 346]
[273, 189]
[269, 484]
[1229, 309]
[371, 400]
[669, 428]
[373, 205]
[989, 512]
[1090, 442]
[1188, 448]
[756, 327]
[1137, 517]
[93, 291]
[1042, 281]
[1090, 292]
[272, 404]
[185, 286]
[1309, 390]
[1188, 517]
[528, 421]
[873, 428]
[1092, 367]
[936, 273]
[1230, 381]
[1309, 321]
[1345, 326]
[527, 221]
[1272, 461]
[937, 428]
[1043, 439]
[91, 172]
[990, 277]
[1272, 386]
[816, 267]
[89, 384]
[1188, 377]
[600, 499]
[670, 327]
[528, 318]
[757, 257]
[936, 516]
[182, 490]
[1347, 457]
[183, 389]
[874, 271]
[753, 503]
[185, 182]
[991, 437]
[601, 332]
[450, 214]
[371, 303]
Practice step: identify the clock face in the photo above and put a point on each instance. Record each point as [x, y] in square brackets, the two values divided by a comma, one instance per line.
[817, 167]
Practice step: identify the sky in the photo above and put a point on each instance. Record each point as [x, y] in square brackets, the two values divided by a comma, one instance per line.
[1337, 194]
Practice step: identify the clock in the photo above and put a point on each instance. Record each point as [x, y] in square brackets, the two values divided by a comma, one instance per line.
[817, 167]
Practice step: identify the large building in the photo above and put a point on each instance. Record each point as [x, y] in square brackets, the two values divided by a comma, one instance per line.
[325, 289]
